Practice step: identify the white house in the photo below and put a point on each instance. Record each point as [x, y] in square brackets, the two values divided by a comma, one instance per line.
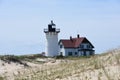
[79, 46]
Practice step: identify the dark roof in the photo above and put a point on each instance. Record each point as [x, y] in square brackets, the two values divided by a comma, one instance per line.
[74, 42]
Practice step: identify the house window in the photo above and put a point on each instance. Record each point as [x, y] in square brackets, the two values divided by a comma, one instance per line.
[81, 46]
[76, 53]
[91, 52]
[69, 53]
[61, 46]
[88, 46]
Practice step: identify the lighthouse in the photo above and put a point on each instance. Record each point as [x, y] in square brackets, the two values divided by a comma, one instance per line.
[51, 40]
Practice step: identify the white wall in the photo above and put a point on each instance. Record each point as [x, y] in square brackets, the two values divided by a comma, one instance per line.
[51, 44]
[65, 51]
[61, 50]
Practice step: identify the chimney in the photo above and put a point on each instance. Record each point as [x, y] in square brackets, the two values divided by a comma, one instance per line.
[78, 36]
[71, 38]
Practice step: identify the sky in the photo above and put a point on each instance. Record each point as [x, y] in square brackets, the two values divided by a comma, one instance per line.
[22, 23]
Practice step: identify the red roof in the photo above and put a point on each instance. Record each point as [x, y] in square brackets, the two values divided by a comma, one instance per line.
[74, 42]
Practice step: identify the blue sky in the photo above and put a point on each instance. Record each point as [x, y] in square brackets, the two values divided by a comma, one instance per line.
[22, 23]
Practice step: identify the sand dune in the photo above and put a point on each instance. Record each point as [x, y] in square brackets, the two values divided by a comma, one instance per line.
[99, 67]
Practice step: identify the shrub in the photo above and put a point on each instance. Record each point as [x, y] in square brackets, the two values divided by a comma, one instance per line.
[59, 57]
[1, 78]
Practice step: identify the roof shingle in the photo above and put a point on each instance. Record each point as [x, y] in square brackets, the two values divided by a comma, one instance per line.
[74, 42]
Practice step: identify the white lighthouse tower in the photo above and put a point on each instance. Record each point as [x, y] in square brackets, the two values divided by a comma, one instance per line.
[51, 40]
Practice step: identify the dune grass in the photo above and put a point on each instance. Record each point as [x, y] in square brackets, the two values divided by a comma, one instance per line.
[1, 78]
[98, 67]
[81, 68]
